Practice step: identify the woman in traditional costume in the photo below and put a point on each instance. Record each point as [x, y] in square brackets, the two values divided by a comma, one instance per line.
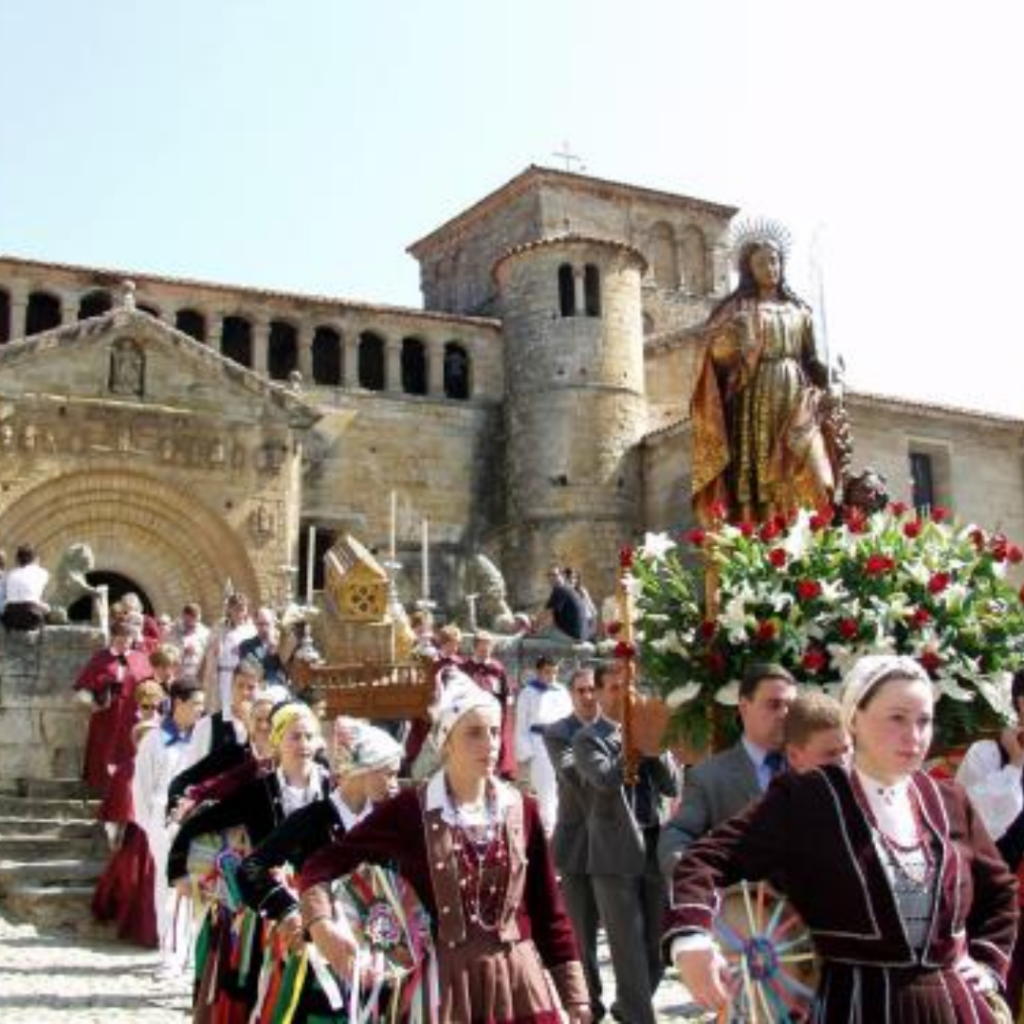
[229, 950]
[757, 408]
[473, 848]
[992, 772]
[365, 763]
[909, 905]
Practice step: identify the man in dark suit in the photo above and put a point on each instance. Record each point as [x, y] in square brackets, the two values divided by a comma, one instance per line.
[569, 840]
[722, 786]
[622, 839]
[264, 648]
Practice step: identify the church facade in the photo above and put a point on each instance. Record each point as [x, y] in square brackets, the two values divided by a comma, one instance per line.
[535, 410]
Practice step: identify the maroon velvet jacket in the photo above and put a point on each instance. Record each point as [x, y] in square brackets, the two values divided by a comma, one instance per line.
[810, 839]
[393, 835]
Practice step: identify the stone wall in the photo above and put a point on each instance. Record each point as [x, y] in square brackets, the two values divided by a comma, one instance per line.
[42, 725]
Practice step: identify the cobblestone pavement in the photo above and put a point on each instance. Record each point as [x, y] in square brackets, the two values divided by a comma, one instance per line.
[64, 977]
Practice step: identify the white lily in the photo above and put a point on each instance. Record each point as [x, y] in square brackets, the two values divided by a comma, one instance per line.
[799, 536]
[656, 546]
[729, 694]
[682, 695]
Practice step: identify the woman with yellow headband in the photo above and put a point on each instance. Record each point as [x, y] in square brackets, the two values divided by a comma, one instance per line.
[226, 993]
[365, 761]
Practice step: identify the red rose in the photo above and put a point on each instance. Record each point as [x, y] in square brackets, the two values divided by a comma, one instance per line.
[930, 661]
[898, 508]
[815, 659]
[613, 628]
[708, 629]
[781, 521]
[977, 536]
[716, 662]
[626, 558]
[769, 531]
[696, 537]
[717, 510]
[765, 632]
[746, 528]
[1014, 554]
[855, 520]
[940, 514]
[848, 629]
[938, 583]
[624, 650]
[878, 565]
[912, 529]
[1000, 549]
[921, 617]
[808, 590]
[818, 523]
[777, 557]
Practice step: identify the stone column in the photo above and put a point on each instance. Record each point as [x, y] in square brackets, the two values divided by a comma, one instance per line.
[18, 303]
[260, 343]
[68, 308]
[304, 341]
[435, 368]
[350, 358]
[214, 329]
[393, 364]
[169, 315]
[581, 294]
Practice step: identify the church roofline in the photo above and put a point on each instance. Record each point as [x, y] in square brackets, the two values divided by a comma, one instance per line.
[533, 177]
[112, 278]
[120, 317]
[570, 239]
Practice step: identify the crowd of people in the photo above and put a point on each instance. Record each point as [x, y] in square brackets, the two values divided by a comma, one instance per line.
[235, 810]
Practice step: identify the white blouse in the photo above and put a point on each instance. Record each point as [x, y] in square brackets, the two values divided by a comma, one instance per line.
[995, 790]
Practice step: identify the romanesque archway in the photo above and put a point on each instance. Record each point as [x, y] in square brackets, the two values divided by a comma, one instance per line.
[138, 527]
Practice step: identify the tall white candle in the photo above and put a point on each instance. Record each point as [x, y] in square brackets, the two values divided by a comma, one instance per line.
[310, 563]
[394, 520]
[426, 560]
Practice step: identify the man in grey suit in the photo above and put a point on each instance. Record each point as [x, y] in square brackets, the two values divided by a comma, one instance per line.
[722, 786]
[622, 840]
[569, 840]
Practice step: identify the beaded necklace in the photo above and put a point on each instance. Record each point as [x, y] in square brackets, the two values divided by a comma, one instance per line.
[902, 856]
[482, 860]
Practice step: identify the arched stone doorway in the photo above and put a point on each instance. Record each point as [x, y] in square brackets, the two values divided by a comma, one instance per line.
[173, 547]
[117, 586]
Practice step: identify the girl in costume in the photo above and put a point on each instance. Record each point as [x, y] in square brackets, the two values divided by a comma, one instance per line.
[474, 850]
[229, 950]
[909, 905]
[365, 762]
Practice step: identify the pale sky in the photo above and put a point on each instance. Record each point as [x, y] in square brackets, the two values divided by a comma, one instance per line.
[303, 144]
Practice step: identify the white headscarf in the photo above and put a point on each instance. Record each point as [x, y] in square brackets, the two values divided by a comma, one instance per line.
[459, 695]
[868, 672]
[359, 747]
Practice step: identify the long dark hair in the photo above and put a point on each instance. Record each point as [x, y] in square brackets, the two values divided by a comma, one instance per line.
[747, 287]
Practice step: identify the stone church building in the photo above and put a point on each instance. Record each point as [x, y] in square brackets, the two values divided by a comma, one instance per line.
[534, 410]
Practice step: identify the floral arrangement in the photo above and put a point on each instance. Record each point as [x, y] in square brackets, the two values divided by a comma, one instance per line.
[815, 593]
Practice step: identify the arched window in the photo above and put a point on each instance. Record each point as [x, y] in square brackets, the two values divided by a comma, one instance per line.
[695, 261]
[283, 351]
[371, 361]
[592, 289]
[151, 310]
[7, 330]
[414, 367]
[327, 357]
[95, 304]
[43, 313]
[236, 340]
[664, 256]
[191, 322]
[456, 371]
[566, 290]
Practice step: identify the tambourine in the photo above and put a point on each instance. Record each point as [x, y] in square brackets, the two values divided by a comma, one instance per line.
[774, 968]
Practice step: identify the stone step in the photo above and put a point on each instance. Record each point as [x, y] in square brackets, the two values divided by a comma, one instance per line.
[29, 848]
[48, 873]
[67, 907]
[48, 789]
[44, 807]
[59, 828]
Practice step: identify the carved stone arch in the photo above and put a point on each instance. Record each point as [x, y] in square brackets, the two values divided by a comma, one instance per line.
[664, 256]
[696, 278]
[159, 535]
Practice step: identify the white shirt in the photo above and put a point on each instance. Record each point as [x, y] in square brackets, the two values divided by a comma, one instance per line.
[995, 790]
[202, 738]
[156, 764]
[193, 647]
[438, 798]
[538, 705]
[24, 584]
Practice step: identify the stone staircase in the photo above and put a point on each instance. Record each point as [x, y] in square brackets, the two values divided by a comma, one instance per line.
[52, 850]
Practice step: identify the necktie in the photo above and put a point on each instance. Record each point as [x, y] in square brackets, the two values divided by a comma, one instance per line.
[775, 762]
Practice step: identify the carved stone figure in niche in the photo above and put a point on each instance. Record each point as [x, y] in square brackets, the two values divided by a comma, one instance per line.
[217, 453]
[127, 369]
[261, 521]
[166, 449]
[6, 437]
[238, 456]
[29, 436]
[69, 583]
[271, 456]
